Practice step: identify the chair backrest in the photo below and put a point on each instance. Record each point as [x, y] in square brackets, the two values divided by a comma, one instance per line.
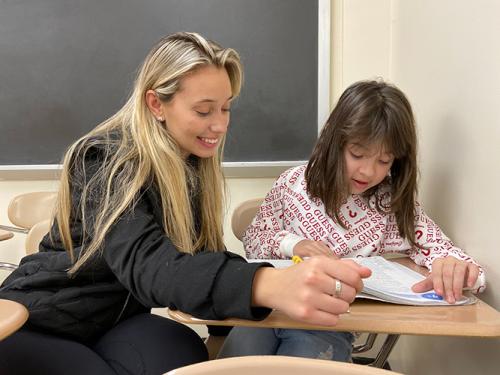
[277, 365]
[35, 235]
[28, 209]
[31, 213]
[243, 215]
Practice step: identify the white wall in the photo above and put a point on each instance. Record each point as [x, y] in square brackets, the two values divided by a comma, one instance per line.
[445, 56]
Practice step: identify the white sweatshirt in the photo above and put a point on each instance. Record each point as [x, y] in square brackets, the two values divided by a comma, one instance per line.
[288, 216]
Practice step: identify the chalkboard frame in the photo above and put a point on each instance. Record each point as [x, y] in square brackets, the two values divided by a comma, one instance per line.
[232, 169]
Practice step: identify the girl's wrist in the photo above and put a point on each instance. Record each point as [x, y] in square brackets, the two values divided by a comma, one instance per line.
[288, 244]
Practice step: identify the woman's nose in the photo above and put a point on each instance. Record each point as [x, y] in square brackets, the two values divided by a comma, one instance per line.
[220, 123]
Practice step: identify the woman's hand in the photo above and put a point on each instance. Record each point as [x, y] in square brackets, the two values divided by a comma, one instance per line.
[309, 248]
[305, 291]
[448, 277]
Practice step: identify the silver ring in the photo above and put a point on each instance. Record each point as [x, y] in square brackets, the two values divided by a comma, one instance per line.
[338, 289]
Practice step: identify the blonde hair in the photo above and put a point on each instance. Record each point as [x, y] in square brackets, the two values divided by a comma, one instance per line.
[139, 151]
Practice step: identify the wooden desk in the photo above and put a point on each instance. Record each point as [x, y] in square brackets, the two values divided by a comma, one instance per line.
[12, 317]
[477, 320]
[5, 235]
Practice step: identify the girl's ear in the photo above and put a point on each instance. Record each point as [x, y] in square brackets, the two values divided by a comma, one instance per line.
[155, 105]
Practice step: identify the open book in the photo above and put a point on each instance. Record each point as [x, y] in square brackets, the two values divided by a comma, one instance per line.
[390, 282]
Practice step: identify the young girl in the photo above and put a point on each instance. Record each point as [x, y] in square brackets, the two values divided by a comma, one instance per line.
[139, 225]
[355, 198]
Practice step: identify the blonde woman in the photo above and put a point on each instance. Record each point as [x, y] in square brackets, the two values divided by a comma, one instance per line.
[139, 225]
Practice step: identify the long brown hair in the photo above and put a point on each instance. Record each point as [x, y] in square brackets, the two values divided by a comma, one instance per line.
[144, 152]
[368, 112]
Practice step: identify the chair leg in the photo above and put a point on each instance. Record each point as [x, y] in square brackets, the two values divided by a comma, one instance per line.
[213, 344]
[385, 350]
[370, 340]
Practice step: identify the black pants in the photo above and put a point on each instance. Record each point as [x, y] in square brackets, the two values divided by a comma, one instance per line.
[144, 344]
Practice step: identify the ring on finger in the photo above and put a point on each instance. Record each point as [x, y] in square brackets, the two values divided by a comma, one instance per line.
[338, 289]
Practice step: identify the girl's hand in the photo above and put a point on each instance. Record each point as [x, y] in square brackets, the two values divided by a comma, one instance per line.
[448, 277]
[305, 291]
[309, 248]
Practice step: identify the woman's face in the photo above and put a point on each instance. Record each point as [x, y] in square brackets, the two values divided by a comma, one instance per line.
[197, 116]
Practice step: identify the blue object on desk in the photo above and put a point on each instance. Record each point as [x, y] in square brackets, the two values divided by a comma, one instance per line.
[432, 295]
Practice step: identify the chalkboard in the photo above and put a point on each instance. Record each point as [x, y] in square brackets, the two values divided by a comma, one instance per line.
[67, 65]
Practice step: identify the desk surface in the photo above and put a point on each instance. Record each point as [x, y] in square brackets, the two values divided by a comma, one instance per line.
[477, 320]
[5, 235]
[12, 316]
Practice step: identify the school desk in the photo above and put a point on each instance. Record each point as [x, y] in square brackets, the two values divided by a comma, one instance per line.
[12, 316]
[477, 320]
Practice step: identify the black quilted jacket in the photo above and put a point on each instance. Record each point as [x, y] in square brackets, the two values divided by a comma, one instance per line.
[139, 268]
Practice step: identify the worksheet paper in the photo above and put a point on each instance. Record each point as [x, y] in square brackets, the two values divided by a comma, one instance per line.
[390, 282]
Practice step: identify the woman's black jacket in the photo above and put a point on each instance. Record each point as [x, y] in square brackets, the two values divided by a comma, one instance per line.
[139, 268]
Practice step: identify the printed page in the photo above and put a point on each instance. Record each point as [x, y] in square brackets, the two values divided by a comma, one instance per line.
[392, 282]
[389, 276]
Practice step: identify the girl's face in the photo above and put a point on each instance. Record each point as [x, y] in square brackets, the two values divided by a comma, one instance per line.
[197, 116]
[366, 166]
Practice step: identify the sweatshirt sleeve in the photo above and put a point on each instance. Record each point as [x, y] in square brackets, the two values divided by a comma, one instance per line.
[433, 243]
[209, 285]
[267, 237]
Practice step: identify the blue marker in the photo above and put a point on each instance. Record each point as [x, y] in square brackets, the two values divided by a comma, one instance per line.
[433, 296]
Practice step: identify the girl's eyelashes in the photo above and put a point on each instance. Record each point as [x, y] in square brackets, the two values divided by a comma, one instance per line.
[356, 155]
[202, 113]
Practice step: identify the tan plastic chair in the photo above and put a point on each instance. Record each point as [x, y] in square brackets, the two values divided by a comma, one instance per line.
[28, 209]
[277, 365]
[31, 214]
[36, 234]
[12, 316]
[243, 216]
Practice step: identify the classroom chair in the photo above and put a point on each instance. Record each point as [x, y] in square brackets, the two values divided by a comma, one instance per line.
[276, 365]
[33, 239]
[243, 215]
[12, 317]
[31, 215]
[26, 210]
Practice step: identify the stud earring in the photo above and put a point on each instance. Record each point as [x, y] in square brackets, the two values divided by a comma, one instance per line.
[160, 118]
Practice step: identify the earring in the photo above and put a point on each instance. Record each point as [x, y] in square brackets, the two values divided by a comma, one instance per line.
[160, 118]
